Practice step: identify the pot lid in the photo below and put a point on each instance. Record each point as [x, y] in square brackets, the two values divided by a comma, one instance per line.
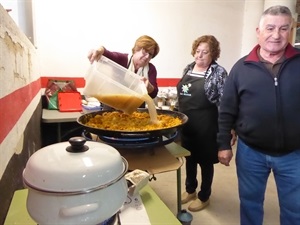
[74, 166]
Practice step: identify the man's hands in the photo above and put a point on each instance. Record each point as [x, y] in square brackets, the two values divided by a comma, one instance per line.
[225, 156]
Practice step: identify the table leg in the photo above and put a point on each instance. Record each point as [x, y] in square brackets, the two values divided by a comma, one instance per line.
[58, 133]
[183, 216]
[179, 190]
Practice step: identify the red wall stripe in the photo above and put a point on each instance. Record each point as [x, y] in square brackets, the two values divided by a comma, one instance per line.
[80, 82]
[167, 82]
[13, 106]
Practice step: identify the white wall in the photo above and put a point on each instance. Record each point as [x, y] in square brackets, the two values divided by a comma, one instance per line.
[66, 30]
[21, 12]
[252, 13]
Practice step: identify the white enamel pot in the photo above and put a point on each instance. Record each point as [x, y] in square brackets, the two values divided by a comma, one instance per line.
[75, 182]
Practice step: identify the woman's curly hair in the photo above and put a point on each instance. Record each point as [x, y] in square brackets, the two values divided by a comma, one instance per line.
[213, 43]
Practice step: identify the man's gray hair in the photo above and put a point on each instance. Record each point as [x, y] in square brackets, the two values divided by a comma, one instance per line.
[275, 11]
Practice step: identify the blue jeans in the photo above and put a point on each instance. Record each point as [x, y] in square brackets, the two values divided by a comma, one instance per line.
[253, 170]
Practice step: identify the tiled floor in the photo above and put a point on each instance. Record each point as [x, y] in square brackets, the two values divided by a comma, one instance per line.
[224, 202]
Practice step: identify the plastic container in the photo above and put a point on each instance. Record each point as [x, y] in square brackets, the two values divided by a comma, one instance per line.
[115, 85]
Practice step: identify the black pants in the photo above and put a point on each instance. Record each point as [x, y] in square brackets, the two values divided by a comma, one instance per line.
[191, 182]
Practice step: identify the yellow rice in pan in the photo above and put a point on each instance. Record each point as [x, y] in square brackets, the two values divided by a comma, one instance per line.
[137, 121]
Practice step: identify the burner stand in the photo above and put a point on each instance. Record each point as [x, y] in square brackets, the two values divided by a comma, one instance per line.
[134, 142]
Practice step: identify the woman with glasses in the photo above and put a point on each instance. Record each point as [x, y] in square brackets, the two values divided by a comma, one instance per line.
[199, 92]
[144, 49]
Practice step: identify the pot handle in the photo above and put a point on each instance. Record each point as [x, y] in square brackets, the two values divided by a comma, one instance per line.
[77, 210]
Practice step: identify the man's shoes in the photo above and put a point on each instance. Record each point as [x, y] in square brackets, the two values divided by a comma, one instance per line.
[186, 197]
[198, 205]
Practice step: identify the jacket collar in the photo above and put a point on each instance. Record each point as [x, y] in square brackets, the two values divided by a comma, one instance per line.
[290, 51]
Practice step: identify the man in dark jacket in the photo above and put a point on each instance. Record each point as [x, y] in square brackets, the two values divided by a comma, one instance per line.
[261, 102]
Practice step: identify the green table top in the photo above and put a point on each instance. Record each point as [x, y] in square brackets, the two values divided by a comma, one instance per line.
[177, 150]
[158, 212]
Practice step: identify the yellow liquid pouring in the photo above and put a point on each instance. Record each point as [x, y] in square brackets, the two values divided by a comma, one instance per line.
[151, 108]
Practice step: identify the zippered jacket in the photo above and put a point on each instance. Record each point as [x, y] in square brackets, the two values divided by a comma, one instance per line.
[263, 109]
[214, 81]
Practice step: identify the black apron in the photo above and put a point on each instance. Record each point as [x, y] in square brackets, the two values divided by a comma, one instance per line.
[199, 134]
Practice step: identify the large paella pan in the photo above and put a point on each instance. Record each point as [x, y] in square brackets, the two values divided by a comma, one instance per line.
[119, 132]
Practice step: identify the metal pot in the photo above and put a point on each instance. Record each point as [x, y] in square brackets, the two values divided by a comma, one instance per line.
[82, 183]
[132, 134]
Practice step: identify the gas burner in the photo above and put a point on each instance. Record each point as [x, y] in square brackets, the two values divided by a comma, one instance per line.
[114, 220]
[134, 142]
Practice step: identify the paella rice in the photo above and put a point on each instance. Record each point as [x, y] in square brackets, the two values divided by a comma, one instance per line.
[137, 121]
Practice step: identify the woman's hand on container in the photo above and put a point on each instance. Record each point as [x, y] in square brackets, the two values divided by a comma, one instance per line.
[95, 54]
[148, 85]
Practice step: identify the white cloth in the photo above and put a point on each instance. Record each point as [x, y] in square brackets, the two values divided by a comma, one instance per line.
[142, 71]
[133, 212]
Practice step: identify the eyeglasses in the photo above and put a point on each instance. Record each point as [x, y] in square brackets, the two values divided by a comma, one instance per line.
[204, 52]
